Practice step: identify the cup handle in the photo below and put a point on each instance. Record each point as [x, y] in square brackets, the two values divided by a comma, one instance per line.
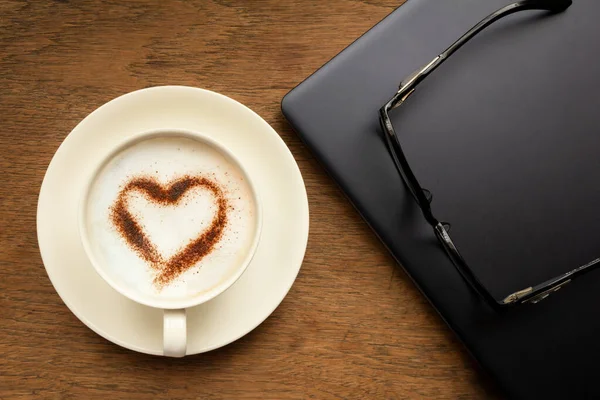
[174, 333]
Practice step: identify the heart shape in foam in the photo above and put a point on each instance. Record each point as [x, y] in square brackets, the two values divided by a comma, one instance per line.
[134, 234]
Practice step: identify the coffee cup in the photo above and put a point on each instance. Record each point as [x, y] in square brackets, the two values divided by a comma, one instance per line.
[170, 219]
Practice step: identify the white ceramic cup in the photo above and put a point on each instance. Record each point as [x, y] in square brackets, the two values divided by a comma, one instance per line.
[174, 324]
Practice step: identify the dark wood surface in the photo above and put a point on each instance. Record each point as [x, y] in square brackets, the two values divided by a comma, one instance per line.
[352, 327]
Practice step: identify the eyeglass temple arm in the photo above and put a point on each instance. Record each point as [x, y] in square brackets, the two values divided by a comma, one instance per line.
[411, 81]
[539, 292]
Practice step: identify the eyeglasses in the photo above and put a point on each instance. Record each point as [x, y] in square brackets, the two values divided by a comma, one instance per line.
[532, 294]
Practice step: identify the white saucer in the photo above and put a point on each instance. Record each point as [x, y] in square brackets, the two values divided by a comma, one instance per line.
[285, 218]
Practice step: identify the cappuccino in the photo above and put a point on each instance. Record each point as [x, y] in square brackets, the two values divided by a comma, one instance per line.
[170, 218]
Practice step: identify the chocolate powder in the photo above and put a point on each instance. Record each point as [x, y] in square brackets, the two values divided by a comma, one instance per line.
[133, 234]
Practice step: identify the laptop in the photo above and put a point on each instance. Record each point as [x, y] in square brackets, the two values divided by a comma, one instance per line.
[505, 135]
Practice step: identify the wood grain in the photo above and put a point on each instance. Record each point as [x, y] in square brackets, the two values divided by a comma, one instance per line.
[352, 327]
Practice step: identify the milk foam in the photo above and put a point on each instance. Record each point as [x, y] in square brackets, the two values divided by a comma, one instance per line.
[171, 227]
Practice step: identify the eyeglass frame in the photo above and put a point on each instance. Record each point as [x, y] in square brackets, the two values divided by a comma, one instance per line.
[531, 294]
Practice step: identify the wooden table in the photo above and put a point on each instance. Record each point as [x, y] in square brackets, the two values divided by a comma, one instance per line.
[352, 327]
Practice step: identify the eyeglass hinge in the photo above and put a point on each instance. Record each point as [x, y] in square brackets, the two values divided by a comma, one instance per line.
[514, 297]
[406, 95]
[421, 71]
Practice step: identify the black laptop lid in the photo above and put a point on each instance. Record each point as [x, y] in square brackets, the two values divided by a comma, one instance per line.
[505, 135]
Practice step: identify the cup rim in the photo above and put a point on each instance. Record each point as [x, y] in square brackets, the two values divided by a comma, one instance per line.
[122, 289]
